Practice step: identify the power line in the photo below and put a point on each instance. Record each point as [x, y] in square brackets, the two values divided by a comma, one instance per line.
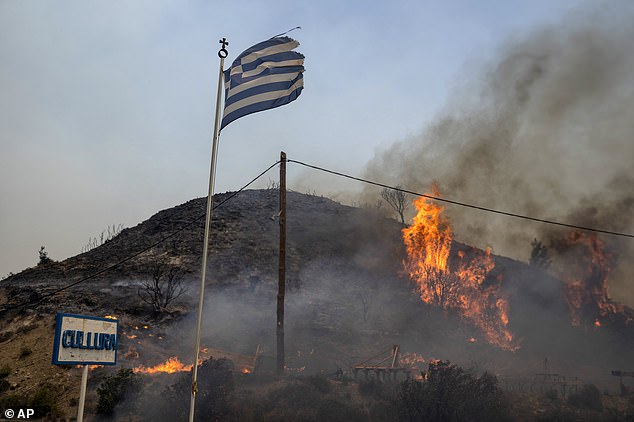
[463, 204]
[142, 251]
[336, 173]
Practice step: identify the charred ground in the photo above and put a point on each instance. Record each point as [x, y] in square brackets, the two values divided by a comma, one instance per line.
[348, 298]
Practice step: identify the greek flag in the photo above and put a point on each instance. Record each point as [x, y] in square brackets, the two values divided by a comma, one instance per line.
[265, 76]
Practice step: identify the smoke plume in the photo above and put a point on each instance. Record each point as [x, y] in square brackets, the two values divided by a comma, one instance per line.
[545, 130]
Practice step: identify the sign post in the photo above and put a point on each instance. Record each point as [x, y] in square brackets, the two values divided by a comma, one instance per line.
[82, 394]
[85, 340]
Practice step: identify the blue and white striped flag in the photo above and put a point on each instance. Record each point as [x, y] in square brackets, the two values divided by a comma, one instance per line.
[265, 76]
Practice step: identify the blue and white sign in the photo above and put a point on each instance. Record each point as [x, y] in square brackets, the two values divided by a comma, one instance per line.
[85, 340]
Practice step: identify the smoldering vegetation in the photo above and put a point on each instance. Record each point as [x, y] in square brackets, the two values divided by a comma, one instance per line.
[449, 393]
[338, 315]
[348, 299]
[545, 129]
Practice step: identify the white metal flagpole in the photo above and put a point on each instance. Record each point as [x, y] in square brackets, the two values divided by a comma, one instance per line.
[210, 202]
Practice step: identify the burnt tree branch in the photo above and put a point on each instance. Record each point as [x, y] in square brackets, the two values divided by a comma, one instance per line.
[164, 288]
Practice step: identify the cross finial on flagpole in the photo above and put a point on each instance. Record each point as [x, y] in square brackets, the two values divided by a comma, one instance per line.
[210, 205]
[223, 51]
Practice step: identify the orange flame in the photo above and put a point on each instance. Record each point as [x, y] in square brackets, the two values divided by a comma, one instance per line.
[586, 286]
[90, 367]
[412, 360]
[428, 239]
[170, 366]
[428, 242]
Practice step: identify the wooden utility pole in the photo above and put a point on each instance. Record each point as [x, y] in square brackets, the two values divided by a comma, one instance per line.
[282, 267]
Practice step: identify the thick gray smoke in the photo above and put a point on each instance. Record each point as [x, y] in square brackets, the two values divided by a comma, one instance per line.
[545, 130]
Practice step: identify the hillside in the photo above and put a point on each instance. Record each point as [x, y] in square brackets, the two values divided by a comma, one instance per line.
[348, 298]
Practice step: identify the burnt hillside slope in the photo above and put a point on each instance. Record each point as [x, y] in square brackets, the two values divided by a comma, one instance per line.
[243, 247]
[347, 294]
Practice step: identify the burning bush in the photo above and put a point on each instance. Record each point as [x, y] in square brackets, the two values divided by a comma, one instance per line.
[213, 401]
[449, 393]
[463, 285]
[584, 262]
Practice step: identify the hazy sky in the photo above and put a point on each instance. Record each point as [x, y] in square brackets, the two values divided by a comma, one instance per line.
[106, 107]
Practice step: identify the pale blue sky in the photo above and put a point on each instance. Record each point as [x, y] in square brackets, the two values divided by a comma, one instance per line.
[106, 107]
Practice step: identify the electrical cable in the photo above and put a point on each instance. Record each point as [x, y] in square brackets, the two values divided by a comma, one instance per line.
[463, 204]
[123, 261]
[336, 173]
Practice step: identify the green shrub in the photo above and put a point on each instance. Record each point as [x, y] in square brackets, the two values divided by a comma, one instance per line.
[4, 385]
[12, 401]
[44, 402]
[5, 370]
[588, 398]
[25, 351]
[116, 388]
[449, 393]
[44, 259]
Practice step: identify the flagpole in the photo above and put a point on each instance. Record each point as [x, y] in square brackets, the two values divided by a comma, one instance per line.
[210, 201]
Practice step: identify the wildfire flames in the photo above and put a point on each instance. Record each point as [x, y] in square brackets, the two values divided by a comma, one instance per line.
[170, 366]
[586, 285]
[463, 286]
[90, 367]
[412, 360]
[173, 365]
